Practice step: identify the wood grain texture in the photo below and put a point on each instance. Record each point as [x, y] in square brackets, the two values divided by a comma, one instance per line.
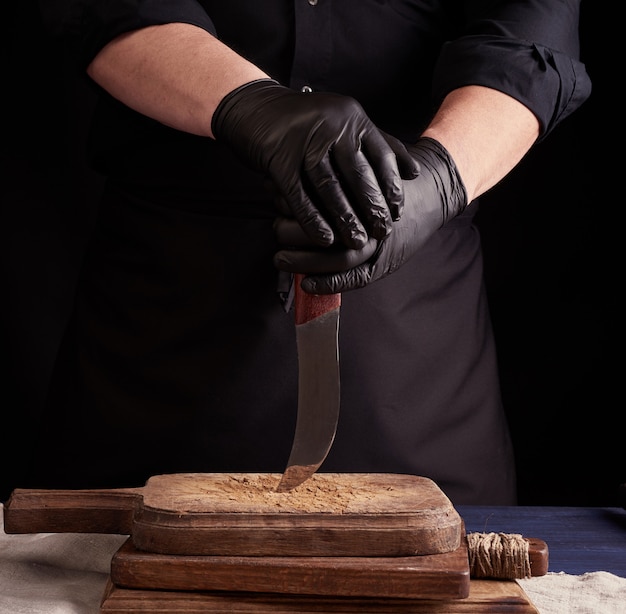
[440, 576]
[330, 514]
[435, 576]
[485, 597]
[71, 511]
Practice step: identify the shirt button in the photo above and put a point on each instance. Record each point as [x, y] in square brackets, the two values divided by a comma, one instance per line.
[306, 89]
[313, 2]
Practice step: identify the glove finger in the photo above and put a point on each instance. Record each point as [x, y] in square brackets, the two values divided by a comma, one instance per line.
[297, 202]
[385, 164]
[353, 279]
[409, 167]
[334, 259]
[369, 197]
[329, 190]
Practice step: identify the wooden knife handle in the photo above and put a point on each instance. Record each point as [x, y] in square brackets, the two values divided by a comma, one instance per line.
[71, 511]
[311, 306]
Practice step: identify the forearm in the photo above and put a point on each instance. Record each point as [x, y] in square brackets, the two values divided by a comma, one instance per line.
[175, 73]
[486, 132]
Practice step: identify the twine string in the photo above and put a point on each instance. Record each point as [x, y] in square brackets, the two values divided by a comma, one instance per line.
[498, 555]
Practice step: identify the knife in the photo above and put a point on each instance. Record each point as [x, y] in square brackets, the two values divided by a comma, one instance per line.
[317, 337]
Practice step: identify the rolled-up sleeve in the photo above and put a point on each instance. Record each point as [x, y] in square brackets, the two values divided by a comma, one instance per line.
[86, 26]
[527, 49]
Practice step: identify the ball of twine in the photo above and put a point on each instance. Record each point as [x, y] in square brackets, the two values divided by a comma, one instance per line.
[498, 555]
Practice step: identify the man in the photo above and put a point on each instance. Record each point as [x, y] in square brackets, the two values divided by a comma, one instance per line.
[376, 126]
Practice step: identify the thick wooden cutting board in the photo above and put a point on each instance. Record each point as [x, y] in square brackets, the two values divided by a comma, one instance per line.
[434, 576]
[331, 514]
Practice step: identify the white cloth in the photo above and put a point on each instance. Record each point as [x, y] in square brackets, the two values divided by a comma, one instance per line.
[54, 573]
[66, 573]
[597, 592]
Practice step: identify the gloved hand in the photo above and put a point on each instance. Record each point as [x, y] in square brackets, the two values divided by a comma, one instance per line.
[338, 176]
[436, 195]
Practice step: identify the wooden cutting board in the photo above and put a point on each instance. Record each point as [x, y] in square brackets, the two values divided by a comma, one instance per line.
[241, 514]
[486, 597]
[433, 576]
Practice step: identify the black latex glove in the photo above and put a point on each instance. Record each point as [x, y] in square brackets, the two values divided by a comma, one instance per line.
[338, 176]
[436, 195]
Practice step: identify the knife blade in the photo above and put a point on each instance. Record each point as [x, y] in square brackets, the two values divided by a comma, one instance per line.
[317, 337]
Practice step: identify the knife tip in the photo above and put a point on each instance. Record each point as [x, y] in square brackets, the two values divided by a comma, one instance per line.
[294, 476]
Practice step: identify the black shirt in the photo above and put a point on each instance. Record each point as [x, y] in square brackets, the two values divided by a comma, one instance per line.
[399, 58]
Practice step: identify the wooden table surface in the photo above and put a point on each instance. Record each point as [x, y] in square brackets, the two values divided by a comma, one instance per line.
[580, 539]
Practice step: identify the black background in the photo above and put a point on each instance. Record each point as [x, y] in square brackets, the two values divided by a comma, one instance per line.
[552, 266]
[551, 234]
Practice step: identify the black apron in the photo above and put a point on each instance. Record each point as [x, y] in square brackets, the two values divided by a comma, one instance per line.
[180, 357]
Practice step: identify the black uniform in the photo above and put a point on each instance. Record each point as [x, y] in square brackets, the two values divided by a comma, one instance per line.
[180, 356]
